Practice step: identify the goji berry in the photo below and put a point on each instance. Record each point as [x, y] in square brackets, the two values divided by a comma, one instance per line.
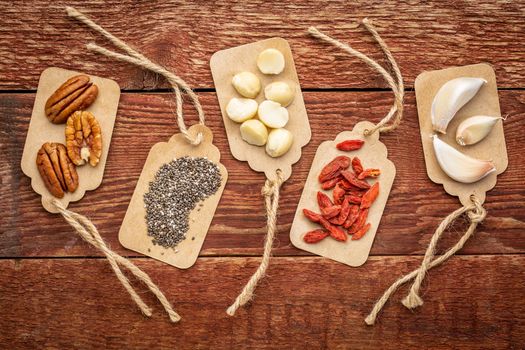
[361, 219]
[335, 232]
[330, 212]
[350, 145]
[312, 216]
[357, 166]
[361, 232]
[369, 173]
[333, 168]
[316, 236]
[352, 216]
[370, 196]
[323, 200]
[353, 199]
[329, 184]
[338, 194]
[350, 177]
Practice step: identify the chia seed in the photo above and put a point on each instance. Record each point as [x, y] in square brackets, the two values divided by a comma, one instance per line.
[175, 191]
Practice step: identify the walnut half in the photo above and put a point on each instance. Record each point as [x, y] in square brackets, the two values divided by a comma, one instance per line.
[77, 93]
[83, 138]
[57, 170]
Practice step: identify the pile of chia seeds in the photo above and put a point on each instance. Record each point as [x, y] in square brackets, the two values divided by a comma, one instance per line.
[177, 188]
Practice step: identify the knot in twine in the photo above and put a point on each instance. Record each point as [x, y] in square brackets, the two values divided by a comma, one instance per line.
[396, 111]
[89, 233]
[136, 58]
[476, 214]
[270, 191]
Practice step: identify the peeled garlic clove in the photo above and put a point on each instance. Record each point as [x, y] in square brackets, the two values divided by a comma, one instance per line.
[279, 92]
[270, 61]
[246, 84]
[279, 142]
[453, 95]
[254, 132]
[272, 114]
[241, 109]
[474, 129]
[459, 166]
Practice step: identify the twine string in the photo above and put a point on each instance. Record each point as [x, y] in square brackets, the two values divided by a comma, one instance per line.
[89, 233]
[396, 111]
[270, 191]
[140, 60]
[476, 214]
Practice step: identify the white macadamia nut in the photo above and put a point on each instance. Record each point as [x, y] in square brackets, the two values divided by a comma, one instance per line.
[279, 142]
[254, 132]
[272, 114]
[247, 84]
[241, 109]
[270, 61]
[279, 92]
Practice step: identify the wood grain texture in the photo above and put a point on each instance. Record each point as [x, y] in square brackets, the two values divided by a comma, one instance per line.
[180, 35]
[415, 208]
[306, 302]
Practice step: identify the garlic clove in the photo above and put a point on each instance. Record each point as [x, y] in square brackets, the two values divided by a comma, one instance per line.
[279, 92]
[475, 129]
[449, 99]
[279, 142]
[254, 132]
[247, 84]
[270, 61]
[459, 166]
[272, 114]
[241, 109]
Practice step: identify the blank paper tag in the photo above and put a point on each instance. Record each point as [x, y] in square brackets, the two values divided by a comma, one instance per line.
[224, 65]
[133, 233]
[485, 102]
[373, 154]
[41, 130]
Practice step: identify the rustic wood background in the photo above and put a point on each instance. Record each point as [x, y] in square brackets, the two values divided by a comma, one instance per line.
[58, 292]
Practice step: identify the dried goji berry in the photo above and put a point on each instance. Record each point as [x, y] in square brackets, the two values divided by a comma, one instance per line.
[359, 222]
[312, 216]
[335, 232]
[357, 166]
[333, 168]
[330, 212]
[353, 199]
[316, 235]
[345, 184]
[356, 192]
[352, 216]
[369, 173]
[361, 232]
[370, 196]
[350, 177]
[345, 210]
[350, 145]
[339, 194]
[323, 200]
[329, 184]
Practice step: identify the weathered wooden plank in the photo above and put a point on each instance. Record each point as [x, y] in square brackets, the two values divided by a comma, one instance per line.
[415, 208]
[472, 302]
[182, 35]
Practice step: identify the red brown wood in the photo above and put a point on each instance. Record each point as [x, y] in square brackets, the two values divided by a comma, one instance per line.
[183, 36]
[306, 302]
[57, 292]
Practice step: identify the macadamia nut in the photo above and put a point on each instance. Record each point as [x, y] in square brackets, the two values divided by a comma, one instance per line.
[272, 114]
[279, 92]
[241, 109]
[254, 132]
[247, 84]
[279, 142]
[270, 61]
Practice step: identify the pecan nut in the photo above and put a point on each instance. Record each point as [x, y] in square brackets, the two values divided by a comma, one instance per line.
[77, 93]
[83, 138]
[57, 170]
